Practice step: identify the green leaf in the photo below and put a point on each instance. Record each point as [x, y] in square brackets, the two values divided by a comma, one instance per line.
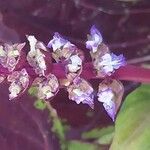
[106, 139]
[132, 129]
[77, 145]
[39, 104]
[98, 133]
[58, 128]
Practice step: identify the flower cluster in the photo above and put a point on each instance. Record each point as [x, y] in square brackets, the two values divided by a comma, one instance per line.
[104, 61]
[37, 70]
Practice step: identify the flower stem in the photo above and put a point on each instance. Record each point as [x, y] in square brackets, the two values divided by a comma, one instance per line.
[58, 127]
[127, 73]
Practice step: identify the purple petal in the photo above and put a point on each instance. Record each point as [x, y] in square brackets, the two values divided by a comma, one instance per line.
[110, 93]
[109, 62]
[107, 98]
[47, 86]
[81, 92]
[110, 109]
[36, 56]
[120, 60]
[19, 83]
[94, 40]
[57, 42]
[95, 31]
[10, 55]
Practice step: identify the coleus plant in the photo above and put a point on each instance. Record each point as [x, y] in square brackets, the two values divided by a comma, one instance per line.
[70, 71]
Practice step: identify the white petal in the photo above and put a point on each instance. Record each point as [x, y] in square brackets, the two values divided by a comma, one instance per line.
[75, 59]
[32, 41]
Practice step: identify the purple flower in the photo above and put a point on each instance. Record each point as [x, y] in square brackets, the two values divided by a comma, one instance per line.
[47, 87]
[10, 55]
[94, 40]
[81, 92]
[110, 109]
[75, 64]
[110, 62]
[36, 57]
[107, 98]
[19, 83]
[57, 42]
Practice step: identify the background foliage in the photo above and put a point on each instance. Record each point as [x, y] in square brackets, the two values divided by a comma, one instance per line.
[26, 123]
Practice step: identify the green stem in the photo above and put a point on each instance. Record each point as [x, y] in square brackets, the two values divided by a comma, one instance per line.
[58, 127]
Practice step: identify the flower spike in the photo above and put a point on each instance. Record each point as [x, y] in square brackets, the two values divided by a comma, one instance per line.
[69, 72]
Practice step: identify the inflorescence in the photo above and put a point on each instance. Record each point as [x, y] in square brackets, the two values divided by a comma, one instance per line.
[35, 69]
